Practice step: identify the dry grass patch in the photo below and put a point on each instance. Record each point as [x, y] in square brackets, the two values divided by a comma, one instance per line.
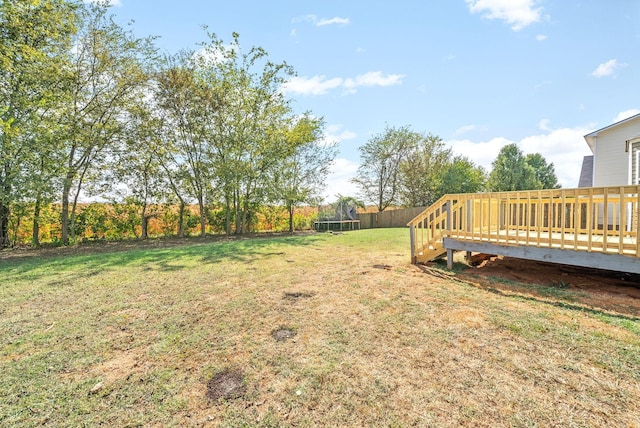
[372, 347]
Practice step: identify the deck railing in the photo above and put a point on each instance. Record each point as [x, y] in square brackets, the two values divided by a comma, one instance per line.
[594, 219]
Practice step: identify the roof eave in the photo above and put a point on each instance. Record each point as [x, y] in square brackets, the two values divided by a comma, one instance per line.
[591, 141]
[591, 138]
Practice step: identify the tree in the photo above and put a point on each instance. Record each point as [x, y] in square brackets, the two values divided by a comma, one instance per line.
[379, 176]
[35, 37]
[300, 177]
[512, 172]
[105, 76]
[461, 176]
[184, 98]
[245, 124]
[422, 169]
[545, 172]
[136, 166]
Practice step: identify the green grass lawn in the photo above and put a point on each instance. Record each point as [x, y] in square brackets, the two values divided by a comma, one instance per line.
[133, 338]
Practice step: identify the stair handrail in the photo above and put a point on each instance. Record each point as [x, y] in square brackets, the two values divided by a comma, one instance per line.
[440, 204]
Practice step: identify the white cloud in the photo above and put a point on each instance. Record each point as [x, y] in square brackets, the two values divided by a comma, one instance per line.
[304, 18]
[465, 129]
[564, 147]
[481, 153]
[320, 22]
[626, 114]
[337, 134]
[335, 20]
[542, 84]
[517, 13]
[544, 125]
[541, 37]
[316, 85]
[607, 68]
[374, 78]
[339, 179]
[320, 85]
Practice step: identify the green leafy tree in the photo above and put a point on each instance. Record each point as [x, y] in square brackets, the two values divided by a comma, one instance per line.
[106, 74]
[300, 178]
[185, 98]
[422, 171]
[461, 175]
[512, 172]
[545, 172]
[136, 166]
[379, 176]
[35, 37]
[245, 124]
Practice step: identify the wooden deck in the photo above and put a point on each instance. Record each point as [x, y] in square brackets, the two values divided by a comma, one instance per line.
[595, 227]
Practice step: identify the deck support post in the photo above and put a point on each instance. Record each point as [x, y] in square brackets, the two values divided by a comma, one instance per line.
[449, 258]
[467, 257]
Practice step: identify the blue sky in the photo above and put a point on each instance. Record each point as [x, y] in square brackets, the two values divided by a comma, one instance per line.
[478, 73]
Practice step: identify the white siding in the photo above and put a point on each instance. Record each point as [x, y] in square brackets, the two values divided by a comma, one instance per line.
[611, 163]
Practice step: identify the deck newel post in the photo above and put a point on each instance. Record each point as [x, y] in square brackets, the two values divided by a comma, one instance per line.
[448, 228]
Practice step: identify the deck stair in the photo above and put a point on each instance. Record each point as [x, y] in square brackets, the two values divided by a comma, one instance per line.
[595, 227]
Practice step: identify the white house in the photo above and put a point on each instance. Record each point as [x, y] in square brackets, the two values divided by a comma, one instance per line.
[616, 155]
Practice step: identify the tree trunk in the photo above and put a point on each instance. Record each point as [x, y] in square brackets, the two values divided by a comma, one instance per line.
[5, 211]
[227, 215]
[181, 219]
[64, 215]
[75, 202]
[245, 215]
[35, 238]
[144, 221]
[290, 217]
[380, 196]
[203, 218]
[4, 225]
[236, 207]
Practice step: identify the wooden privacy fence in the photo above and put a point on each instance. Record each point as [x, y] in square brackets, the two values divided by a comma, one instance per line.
[601, 220]
[388, 218]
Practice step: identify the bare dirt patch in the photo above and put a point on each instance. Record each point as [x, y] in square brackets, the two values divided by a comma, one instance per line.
[385, 267]
[609, 290]
[295, 295]
[282, 334]
[227, 385]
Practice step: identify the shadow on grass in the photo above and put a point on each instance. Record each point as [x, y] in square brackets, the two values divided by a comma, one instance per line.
[548, 295]
[173, 258]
